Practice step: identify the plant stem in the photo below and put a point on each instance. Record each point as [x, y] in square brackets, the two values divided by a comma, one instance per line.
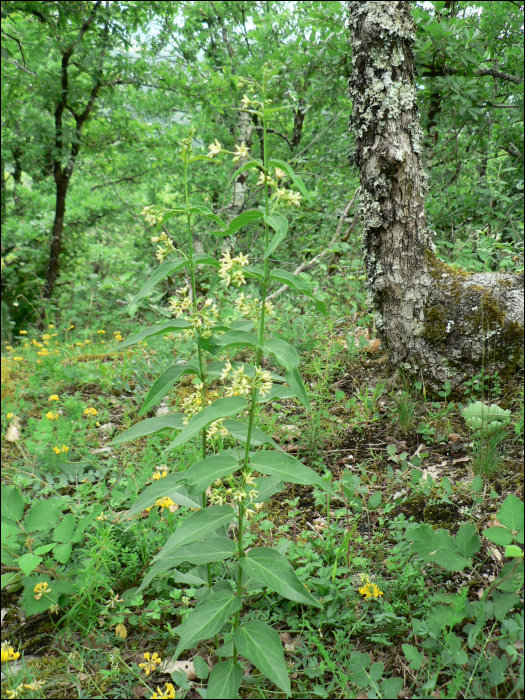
[266, 236]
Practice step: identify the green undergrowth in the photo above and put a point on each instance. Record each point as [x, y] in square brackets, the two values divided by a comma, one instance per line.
[416, 558]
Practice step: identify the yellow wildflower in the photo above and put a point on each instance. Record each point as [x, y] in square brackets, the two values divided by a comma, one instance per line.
[8, 652]
[151, 662]
[40, 589]
[118, 337]
[53, 397]
[294, 198]
[167, 693]
[52, 416]
[56, 450]
[101, 332]
[90, 412]
[9, 415]
[18, 359]
[370, 590]
[46, 336]
[35, 685]
[65, 448]
[23, 333]
[9, 347]
[51, 325]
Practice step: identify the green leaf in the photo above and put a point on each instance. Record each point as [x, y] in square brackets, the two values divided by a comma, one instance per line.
[511, 550]
[298, 284]
[453, 654]
[293, 378]
[231, 339]
[164, 383]
[498, 535]
[267, 486]
[485, 419]
[205, 211]
[202, 669]
[510, 515]
[196, 526]
[415, 657]
[276, 392]
[12, 503]
[260, 644]
[171, 486]
[374, 500]
[239, 431]
[239, 221]
[280, 224]
[504, 603]
[437, 547]
[222, 408]
[285, 354]
[251, 164]
[65, 531]
[205, 259]
[207, 619]
[204, 473]
[160, 273]
[176, 324]
[253, 271]
[196, 577]
[272, 569]
[28, 562]
[62, 552]
[391, 687]
[287, 468]
[198, 553]
[43, 514]
[289, 171]
[225, 681]
[149, 427]
[467, 542]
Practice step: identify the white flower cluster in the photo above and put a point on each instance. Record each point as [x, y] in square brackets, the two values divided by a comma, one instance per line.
[165, 248]
[152, 214]
[242, 385]
[203, 319]
[241, 151]
[251, 308]
[231, 269]
[281, 194]
[220, 494]
[216, 429]
[196, 401]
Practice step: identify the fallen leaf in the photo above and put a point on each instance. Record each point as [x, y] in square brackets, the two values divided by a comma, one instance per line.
[172, 666]
[454, 437]
[121, 631]
[461, 459]
[13, 431]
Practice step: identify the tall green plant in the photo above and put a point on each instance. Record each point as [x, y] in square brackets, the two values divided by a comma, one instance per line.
[238, 490]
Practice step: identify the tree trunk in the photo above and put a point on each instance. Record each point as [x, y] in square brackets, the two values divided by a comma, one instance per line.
[436, 322]
[56, 237]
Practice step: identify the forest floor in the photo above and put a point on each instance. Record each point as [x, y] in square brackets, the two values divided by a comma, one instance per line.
[396, 460]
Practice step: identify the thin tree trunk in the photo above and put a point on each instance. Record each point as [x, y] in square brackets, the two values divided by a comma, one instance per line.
[436, 322]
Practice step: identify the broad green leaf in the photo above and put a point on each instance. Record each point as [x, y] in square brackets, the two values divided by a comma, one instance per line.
[62, 552]
[254, 271]
[172, 486]
[205, 259]
[28, 562]
[176, 324]
[280, 224]
[207, 619]
[231, 339]
[160, 273]
[287, 468]
[149, 427]
[285, 354]
[12, 503]
[225, 681]
[415, 657]
[251, 164]
[512, 550]
[239, 221]
[202, 669]
[374, 500]
[289, 171]
[198, 553]
[9, 579]
[276, 392]
[511, 515]
[298, 284]
[272, 569]
[196, 577]
[391, 687]
[503, 604]
[205, 211]
[266, 487]
[467, 542]
[498, 535]
[204, 473]
[64, 532]
[239, 431]
[293, 378]
[260, 644]
[222, 408]
[195, 527]
[164, 383]
[242, 324]
[226, 649]
[43, 515]
[437, 547]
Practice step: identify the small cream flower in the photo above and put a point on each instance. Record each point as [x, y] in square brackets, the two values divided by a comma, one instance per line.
[246, 102]
[241, 151]
[294, 198]
[279, 173]
[214, 148]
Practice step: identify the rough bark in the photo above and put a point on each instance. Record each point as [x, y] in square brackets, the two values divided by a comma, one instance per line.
[437, 323]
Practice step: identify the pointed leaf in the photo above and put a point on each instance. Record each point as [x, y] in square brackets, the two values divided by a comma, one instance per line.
[280, 224]
[289, 171]
[255, 163]
[239, 221]
[204, 473]
[43, 514]
[293, 378]
[207, 619]
[164, 383]
[276, 392]
[205, 259]
[172, 486]
[205, 211]
[266, 487]
[239, 431]
[272, 569]
[198, 553]
[286, 468]
[195, 577]
[196, 526]
[260, 644]
[511, 514]
[467, 542]
[298, 284]
[254, 271]
[65, 530]
[12, 503]
[160, 273]
[149, 427]
[225, 681]
[285, 354]
[222, 408]
[231, 339]
[176, 324]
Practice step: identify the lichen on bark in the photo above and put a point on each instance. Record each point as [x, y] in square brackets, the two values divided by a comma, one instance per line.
[436, 322]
